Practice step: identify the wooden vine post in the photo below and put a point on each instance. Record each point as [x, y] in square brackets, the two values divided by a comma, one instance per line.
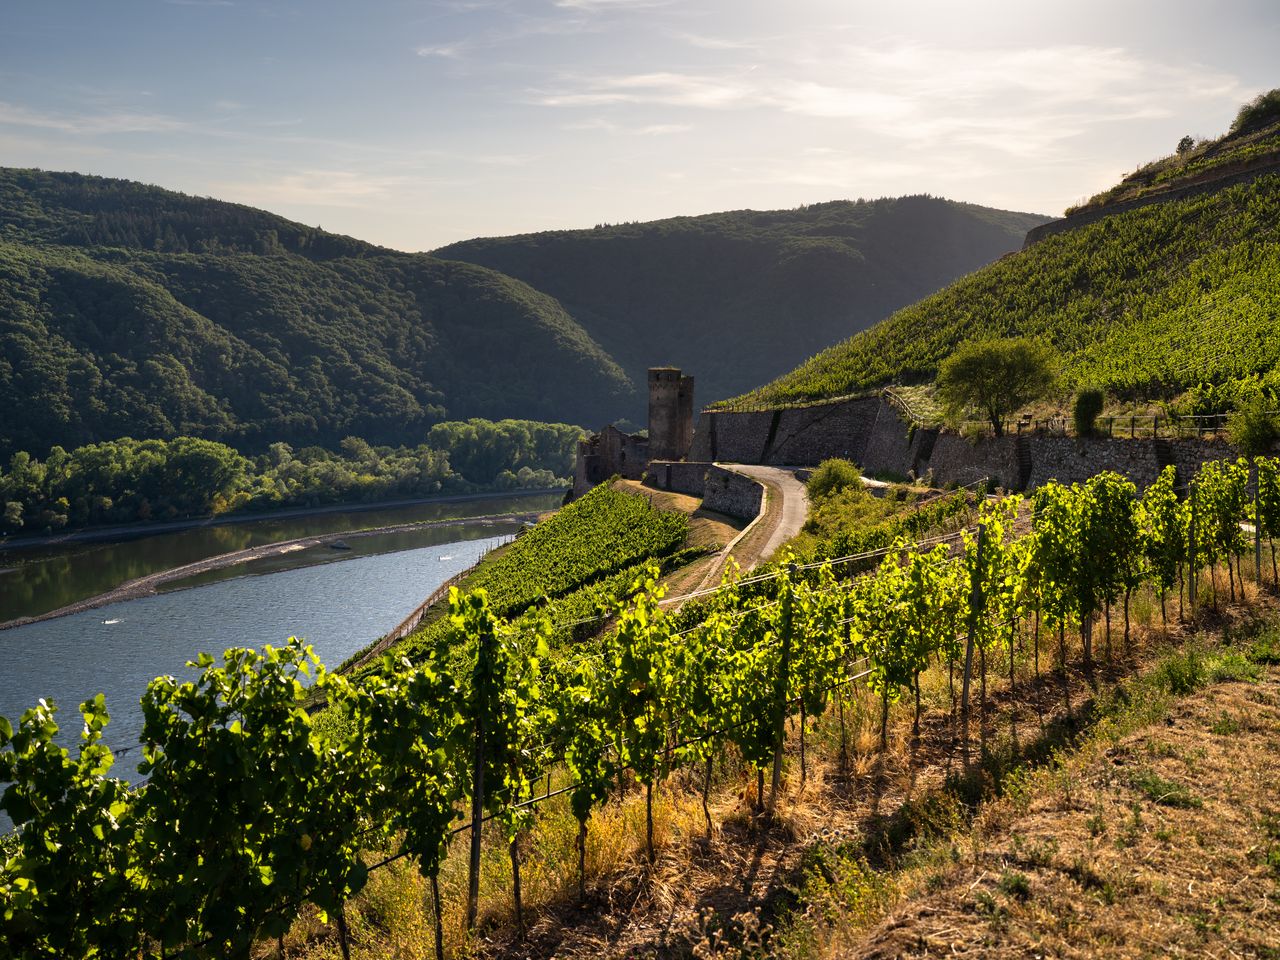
[975, 613]
[782, 683]
[1191, 552]
[481, 680]
[1257, 527]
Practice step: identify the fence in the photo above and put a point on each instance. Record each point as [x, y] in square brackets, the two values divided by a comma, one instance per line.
[1145, 427]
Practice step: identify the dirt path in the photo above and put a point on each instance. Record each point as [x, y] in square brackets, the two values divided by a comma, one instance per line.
[785, 511]
[146, 586]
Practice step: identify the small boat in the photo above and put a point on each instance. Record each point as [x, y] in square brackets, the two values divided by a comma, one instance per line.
[109, 622]
[338, 545]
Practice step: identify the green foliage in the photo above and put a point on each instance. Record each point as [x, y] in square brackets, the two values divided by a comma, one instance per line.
[126, 310]
[1262, 110]
[574, 563]
[997, 376]
[1163, 527]
[1164, 792]
[71, 884]
[1143, 304]
[251, 812]
[119, 481]
[1084, 413]
[245, 811]
[1254, 427]
[833, 476]
[735, 297]
[599, 534]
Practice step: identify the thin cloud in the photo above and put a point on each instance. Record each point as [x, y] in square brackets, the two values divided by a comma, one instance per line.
[1022, 102]
[597, 6]
[448, 51]
[619, 129]
[717, 43]
[87, 124]
[324, 188]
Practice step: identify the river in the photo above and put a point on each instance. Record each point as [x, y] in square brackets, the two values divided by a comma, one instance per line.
[35, 580]
[338, 606]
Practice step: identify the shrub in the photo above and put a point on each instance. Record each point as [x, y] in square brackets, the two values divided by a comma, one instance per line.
[832, 476]
[1258, 112]
[1253, 428]
[1085, 412]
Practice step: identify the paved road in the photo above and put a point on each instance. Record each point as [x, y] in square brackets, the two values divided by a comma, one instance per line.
[787, 507]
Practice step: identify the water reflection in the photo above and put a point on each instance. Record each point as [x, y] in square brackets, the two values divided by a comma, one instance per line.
[37, 580]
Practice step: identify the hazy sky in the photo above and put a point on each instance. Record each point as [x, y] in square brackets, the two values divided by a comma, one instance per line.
[413, 123]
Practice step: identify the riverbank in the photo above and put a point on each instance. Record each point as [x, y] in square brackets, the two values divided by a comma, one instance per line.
[148, 585]
[129, 531]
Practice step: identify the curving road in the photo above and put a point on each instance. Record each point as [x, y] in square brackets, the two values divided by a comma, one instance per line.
[785, 511]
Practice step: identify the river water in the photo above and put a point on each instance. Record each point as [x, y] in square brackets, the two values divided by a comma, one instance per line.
[36, 580]
[338, 606]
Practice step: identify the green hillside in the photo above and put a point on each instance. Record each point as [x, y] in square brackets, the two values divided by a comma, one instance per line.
[1147, 303]
[736, 298]
[130, 310]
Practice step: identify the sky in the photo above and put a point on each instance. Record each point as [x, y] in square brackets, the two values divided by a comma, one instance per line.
[415, 123]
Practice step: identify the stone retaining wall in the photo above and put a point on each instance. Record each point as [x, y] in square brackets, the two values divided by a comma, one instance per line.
[873, 434]
[1258, 168]
[679, 476]
[732, 493]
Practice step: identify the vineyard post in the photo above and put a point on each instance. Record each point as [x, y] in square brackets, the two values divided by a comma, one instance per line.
[1191, 552]
[480, 684]
[782, 684]
[975, 602]
[1257, 528]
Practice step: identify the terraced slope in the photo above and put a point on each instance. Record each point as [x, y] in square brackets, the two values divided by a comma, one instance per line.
[1148, 303]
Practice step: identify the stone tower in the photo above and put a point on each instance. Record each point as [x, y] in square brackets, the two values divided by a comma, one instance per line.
[670, 414]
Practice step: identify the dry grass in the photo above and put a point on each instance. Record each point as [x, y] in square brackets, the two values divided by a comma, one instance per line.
[1161, 843]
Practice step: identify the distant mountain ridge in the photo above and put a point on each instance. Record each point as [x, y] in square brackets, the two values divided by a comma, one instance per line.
[126, 309]
[740, 297]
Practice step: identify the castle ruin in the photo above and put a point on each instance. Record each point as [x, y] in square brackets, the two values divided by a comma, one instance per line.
[670, 436]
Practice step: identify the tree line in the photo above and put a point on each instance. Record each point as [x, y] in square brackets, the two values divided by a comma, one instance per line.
[127, 480]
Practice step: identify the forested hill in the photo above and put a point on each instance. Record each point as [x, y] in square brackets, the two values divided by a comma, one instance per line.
[737, 298]
[130, 310]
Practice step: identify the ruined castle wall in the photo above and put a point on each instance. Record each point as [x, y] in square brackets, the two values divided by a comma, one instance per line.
[798, 436]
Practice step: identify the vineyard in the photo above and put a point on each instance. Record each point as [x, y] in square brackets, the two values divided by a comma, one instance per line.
[1146, 304]
[249, 811]
[572, 561]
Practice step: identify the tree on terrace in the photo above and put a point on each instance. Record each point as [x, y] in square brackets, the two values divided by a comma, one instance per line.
[996, 376]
